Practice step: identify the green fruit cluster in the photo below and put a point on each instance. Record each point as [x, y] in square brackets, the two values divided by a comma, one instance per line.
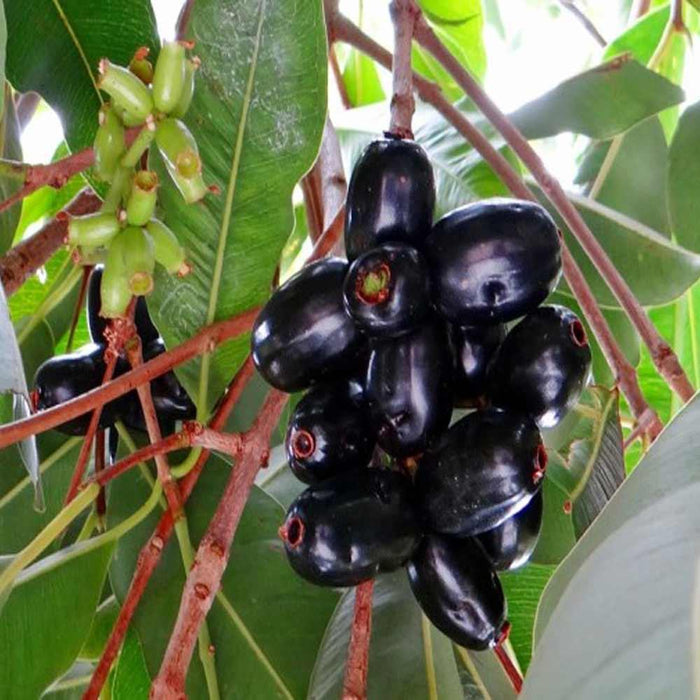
[124, 234]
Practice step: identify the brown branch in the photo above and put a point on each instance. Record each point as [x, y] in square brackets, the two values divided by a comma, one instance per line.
[338, 77]
[357, 664]
[330, 237]
[640, 9]
[344, 30]
[403, 15]
[204, 341]
[677, 15]
[585, 21]
[184, 19]
[22, 261]
[151, 552]
[210, 562]
[661, 352]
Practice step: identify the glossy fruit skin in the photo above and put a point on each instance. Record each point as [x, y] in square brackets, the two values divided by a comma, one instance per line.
[409, 390]
[303, 335]
[401, 305]
[458, 590]
[542, 366]
[329, 433]
[511, 544]
[97, 324]
[493, 261]
[64, 377]
[473, 349]
[391, 197]
[483, 470]
[349, 529]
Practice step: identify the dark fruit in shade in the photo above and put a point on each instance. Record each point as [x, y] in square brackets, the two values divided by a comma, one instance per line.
[329, 433]
[348, 529]
[97, 324]
[391, 197]
[409, 390]
[493, 261]
[542, 366]
[458, 590]
[512, 543]
[386, 290]
[303, 335]
[483, 470]
[473, 349]
[63, 377]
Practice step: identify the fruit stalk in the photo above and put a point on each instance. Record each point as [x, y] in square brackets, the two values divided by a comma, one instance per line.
[340, 28]
[212, 555]
[357, 665]
[22, 261]
[403, 15]
[662, 354]
[509, 667]
[151, 551]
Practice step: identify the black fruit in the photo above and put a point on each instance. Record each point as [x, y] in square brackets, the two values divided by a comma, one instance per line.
[458, 590]
[473, 349]
[97, 324]
[542, 365]
[386, 290]
[409, 390]
[493, 261]
[512, 543]
[64, 377]
[391, 197]
[347, 530]
[483, 470]
[303, 334]
[329, 433]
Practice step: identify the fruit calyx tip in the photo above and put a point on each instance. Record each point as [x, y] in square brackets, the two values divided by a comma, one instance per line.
[374, 285]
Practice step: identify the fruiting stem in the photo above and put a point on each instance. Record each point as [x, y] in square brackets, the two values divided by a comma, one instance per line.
[585, 21]
[509, 667]
[139, 146]
[403, 15]
[357, 663]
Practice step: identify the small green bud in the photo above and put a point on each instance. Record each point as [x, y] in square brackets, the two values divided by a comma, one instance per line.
[141, 67]
[93, 229]
[166, 248]
[142, 199]
[126, 90]
[109, 144]
[179, 150]
[183, 104]
[169, 76]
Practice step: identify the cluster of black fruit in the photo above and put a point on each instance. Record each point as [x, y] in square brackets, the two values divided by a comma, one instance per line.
[64, 377]
[388, 343]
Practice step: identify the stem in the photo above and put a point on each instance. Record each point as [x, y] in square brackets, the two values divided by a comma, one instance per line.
[13, 170]
[204, 340]
[585, 21]
[344, 30]
[509, 667]
[661, 352]
[140, 145]
[78, 307]
[357, 664]
[151, 551]
[403, 15]
[100, 502]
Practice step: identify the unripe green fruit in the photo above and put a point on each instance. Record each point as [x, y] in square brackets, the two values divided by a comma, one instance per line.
[126, 90]
[109, 144]
[118, 190]
[166, 248]
[169, 76]
[179, 150]
[185, 100]
[93, 229]
[142, 198]
[127, 118]
[114, 287]
[139, 260]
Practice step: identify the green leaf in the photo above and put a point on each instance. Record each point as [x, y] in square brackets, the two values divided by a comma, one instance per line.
[683, 181]
[451, 11]
[523, 589]
[105, 617]
[641, 39]
[588, 464]
[408, 657]
[72, 684]
[557, 536]
[47, 617]
[600, 102]
[361, 79]
[482, 675]
[645, 530]
[54, 47]
[131, 679]
[267, 624]
[258, 115]
[11, 149]
[3, 50]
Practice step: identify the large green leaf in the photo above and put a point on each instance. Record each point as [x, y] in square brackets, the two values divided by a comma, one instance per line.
[361, 79]
[258, 115]
[642, 38]
[267, 623]
[600, 102]
[625, 591]
[11, 149]
[131, 679]
[54, 47]
[45, 621]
